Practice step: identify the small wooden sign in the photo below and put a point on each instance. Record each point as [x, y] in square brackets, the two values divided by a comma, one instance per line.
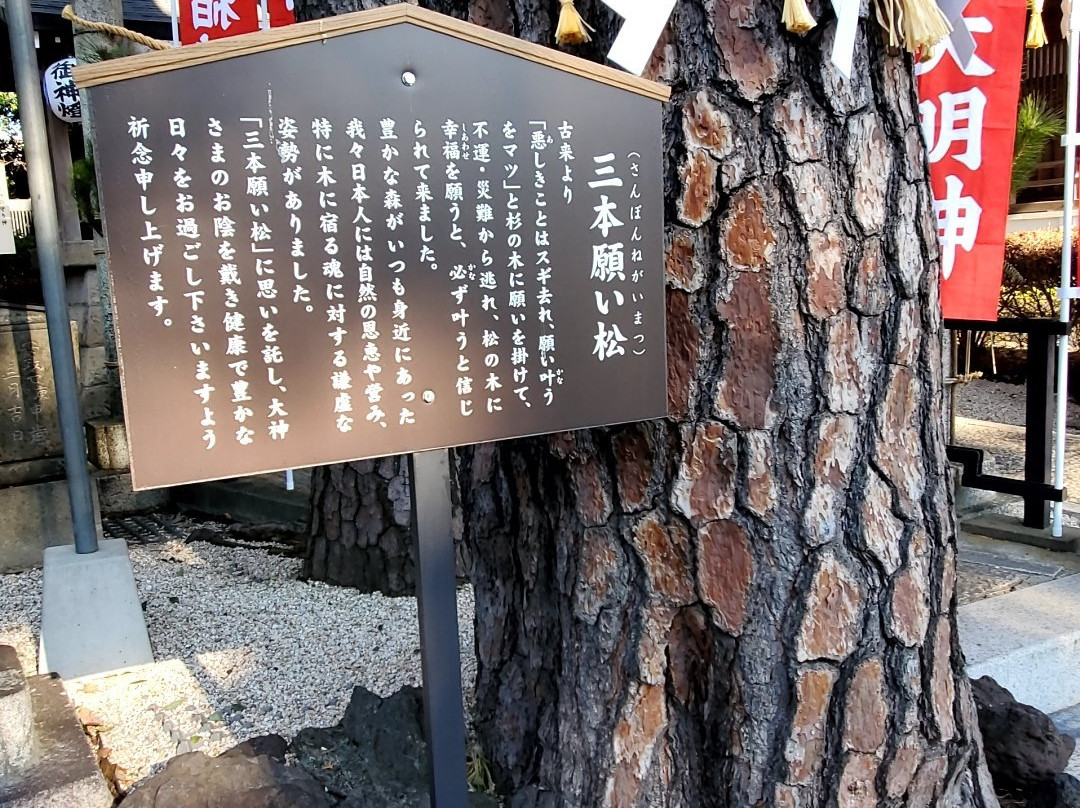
[7, 229]
[381, 233]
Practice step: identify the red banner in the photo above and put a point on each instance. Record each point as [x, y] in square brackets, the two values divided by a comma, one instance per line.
[281, 12]
[969, 122]
[203, 20]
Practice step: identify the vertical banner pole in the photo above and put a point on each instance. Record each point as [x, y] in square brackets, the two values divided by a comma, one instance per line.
[47, 230]
[1066, 267]
[175, 12]
[436, 592]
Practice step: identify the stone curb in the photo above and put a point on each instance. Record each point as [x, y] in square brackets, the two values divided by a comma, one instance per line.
[1028, 641]
[66, 773]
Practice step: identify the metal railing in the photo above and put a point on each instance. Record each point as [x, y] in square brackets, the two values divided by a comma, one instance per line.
[1038, 489]
[21, 216]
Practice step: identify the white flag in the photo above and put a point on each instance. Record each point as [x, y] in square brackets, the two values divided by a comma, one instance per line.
[847, 25]
[643, 23]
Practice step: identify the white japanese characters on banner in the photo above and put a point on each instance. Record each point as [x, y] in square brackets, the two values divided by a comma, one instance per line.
[204, 20]
[968, 111]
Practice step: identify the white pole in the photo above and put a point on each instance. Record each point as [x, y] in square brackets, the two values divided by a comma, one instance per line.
[175, 24]
[1066, 265]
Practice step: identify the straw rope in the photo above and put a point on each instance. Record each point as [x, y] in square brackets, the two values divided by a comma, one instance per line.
[1036, 32]
[797, 17]
[116, 30]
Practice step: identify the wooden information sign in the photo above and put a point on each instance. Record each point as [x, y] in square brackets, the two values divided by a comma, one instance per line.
[376, 234]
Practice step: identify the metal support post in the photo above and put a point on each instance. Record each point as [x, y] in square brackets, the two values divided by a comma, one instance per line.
[436, 591]
[47, 234]
[1038, 437]
[1035, 488]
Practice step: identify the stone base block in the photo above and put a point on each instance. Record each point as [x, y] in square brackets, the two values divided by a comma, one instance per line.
[18, 744]
[91, 616]
[1010, 528]
[24, 472]
[93, 369]
[118, 498]
[32, 517]
[97, 401]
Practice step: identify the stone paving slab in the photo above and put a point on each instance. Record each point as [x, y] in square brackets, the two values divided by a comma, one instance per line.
[988, 567]
[1028, 641]
[66, 775]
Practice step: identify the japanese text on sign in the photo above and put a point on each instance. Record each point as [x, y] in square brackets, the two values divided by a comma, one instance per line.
[334, 279]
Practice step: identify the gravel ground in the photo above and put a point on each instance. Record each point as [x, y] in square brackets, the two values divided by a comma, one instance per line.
[20, 614]
[245, 647]
[147, 714]
[1001, 403]
[990, 416]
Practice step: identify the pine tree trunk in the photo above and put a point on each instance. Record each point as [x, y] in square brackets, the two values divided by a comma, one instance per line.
[360, 528]
[751, 602]
[359, 531]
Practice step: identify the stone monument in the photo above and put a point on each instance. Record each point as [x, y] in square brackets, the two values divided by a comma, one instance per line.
[34, 510]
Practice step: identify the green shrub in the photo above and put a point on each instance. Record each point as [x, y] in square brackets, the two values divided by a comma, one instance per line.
[1032, 272]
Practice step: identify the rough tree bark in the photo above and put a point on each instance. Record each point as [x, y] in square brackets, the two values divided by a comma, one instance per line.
[359, 532]
[751, 602]
[359, 527]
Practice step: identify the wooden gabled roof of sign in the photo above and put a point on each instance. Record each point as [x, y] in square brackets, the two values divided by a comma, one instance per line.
[148, 64]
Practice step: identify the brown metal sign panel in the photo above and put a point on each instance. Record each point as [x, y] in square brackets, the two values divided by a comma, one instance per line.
[388, 241]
